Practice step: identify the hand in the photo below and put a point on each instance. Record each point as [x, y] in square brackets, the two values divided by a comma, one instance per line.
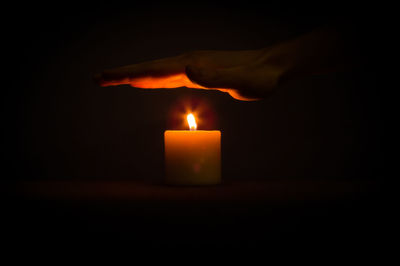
[245, 75]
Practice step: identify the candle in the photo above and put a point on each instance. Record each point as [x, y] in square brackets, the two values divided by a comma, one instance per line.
[192, 157]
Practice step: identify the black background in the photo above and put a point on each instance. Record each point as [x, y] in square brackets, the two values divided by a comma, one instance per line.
[59, 125]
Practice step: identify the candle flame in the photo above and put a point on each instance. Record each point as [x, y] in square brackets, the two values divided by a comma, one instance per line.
[191, 122]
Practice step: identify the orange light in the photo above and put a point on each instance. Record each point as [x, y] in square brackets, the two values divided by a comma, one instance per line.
[191, 122]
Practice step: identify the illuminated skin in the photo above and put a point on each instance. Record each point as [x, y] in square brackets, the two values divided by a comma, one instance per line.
[245, 75]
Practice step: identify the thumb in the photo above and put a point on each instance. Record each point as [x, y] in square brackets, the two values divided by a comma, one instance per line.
[213, 78]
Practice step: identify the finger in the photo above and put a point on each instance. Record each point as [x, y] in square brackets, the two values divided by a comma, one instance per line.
[174, 65]
[235, 94]
[237, 81]
[164, 82]
[156, 69]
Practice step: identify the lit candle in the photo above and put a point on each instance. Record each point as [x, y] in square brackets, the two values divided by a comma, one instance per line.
[192, 157]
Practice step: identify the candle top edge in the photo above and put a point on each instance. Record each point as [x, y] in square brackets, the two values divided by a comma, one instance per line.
[186, 130]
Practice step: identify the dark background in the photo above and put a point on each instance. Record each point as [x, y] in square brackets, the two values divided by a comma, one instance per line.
[59, 125]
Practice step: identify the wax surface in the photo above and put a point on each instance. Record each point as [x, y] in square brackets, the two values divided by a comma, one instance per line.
[192, 157]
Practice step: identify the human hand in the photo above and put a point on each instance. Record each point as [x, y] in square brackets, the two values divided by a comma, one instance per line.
[245, 75]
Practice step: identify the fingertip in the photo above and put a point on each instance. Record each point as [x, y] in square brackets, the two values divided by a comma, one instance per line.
[103, 81]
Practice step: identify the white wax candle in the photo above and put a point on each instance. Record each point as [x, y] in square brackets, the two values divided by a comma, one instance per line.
[192, 157]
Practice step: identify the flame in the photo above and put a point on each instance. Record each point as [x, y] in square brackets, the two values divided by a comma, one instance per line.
[191, 122]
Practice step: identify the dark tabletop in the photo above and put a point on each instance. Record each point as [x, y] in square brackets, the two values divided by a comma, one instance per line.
[237, 212]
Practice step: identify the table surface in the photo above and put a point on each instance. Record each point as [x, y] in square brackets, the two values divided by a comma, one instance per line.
[281, 190]
[233, 213]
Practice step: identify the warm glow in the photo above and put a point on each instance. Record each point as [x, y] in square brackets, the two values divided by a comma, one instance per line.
[192, 122]
[168, 81]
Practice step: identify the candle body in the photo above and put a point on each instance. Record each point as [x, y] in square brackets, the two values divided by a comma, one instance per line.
[192, 157]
